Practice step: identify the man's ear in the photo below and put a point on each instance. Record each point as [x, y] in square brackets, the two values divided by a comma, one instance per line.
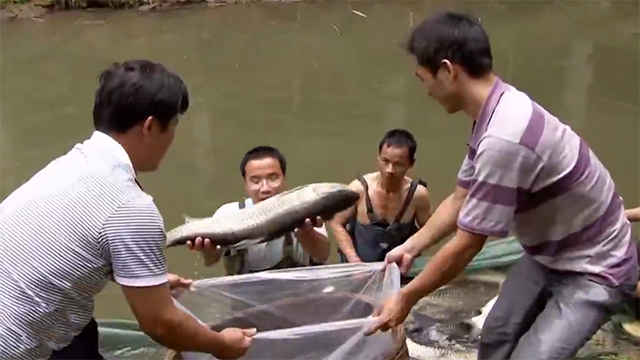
[148, 125]
[450, 70]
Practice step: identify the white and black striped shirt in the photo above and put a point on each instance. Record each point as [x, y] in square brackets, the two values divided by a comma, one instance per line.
[77, 223]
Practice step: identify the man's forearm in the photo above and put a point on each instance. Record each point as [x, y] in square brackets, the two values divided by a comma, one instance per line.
[441, 224]
[314, 244]
[445, 265]
[344, 241]
[633, 214]
[181, 332]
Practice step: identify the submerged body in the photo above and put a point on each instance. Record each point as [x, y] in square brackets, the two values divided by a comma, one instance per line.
[269, 218]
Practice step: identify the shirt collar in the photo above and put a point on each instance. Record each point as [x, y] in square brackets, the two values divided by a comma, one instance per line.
[481, 123]
[111, 151]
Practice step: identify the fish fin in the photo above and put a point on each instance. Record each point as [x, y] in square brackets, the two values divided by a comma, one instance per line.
[243, 244]
[188, 219]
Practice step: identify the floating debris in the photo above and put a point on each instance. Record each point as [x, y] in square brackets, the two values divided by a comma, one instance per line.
[359, 13]
[91, 22]
[336, 28]
[148, 7]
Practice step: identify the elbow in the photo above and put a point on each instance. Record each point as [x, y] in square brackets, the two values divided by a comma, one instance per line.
[333, 224]
[161, 329]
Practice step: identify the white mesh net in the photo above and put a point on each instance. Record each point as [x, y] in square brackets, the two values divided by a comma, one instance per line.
[318, 312]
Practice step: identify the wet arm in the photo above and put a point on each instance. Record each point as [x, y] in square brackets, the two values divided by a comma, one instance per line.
[339, 230]
[445, 265]
[441, 224]
[158, 317]
[343, 239]
[633, 214]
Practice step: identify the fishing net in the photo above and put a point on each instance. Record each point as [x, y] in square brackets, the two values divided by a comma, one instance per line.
[318, 312]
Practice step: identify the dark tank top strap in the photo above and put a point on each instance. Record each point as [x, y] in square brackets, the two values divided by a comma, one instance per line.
[407, 201]
[372, 215]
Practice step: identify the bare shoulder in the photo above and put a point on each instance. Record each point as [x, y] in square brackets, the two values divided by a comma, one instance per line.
[422, 193]
[356, 186]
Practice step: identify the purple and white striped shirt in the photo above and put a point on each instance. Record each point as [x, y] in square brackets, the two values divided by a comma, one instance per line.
[529, 173]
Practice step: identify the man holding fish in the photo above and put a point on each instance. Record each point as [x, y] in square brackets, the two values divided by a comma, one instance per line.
[84, 219]
[263, 170]
[525, 172]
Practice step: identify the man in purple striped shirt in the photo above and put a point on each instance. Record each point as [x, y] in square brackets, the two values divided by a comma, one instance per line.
[633, 215]
[527, 173]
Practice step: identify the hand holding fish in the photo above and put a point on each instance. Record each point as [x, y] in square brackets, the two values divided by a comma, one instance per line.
[202, 244]
[211, 252]
[309, 224]
[236, 342]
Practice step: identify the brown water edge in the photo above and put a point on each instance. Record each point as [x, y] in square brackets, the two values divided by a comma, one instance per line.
[266, 73]
[35, 10]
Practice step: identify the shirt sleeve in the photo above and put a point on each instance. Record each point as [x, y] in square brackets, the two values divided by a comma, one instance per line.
[501, 169]
[465, 174]
[134, 239]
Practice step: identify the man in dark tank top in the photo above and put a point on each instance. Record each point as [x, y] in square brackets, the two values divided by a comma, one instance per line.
[392, 206]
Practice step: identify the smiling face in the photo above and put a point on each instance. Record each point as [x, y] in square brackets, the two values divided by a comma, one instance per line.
[263, 178]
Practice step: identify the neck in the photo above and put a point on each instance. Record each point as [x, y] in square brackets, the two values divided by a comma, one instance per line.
[390, 186]
[477, 92]
[129, 144]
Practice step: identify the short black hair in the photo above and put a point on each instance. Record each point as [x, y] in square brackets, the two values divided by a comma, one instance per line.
[261, 152]
[131, 91]
[455, 37]
[400, 138]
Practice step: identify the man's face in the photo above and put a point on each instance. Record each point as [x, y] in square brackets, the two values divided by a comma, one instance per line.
[158, 140]
[394, 162]
[441, 87]
[263, 178]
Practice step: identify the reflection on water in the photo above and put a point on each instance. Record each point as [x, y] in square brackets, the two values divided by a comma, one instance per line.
[315, 79]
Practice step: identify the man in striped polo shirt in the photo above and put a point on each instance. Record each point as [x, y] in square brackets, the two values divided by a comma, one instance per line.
[84, 219]
[525, 172]
[633, 215]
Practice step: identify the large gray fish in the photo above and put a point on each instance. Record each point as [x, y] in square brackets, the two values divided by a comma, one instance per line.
[270, 218]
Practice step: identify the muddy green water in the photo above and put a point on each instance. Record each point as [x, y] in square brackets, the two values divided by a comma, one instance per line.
[318, 81]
